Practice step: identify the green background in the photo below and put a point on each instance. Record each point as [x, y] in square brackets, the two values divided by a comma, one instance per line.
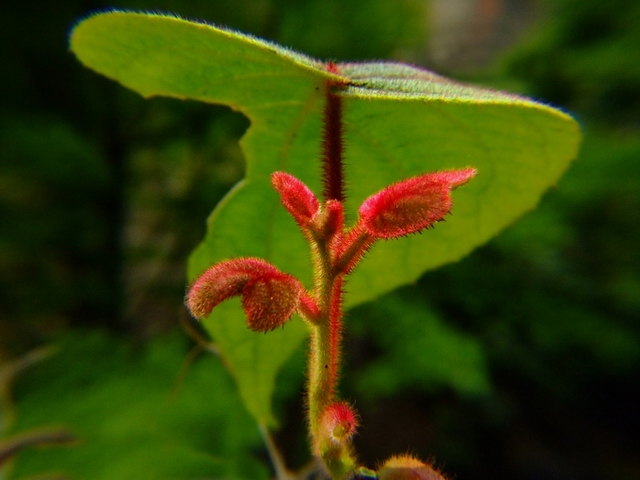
[521, 361]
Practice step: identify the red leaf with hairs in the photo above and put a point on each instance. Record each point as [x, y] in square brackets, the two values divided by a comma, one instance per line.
[269, 297]
[296, 197]
[411, 205]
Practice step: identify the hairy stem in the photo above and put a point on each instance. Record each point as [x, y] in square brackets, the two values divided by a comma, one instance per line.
[325, 334]
[325, 352]
[324, 360]
[332, 141]
[326, 331]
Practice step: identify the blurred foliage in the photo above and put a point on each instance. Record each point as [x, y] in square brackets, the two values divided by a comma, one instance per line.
[132, 417]
[103, 195]
[415, 348]
[11, 445]
[584, 59]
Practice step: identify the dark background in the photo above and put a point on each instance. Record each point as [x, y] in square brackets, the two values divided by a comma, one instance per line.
[521, 361]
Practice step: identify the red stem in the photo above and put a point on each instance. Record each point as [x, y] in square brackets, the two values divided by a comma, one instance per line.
[332, 140]
[335, 332]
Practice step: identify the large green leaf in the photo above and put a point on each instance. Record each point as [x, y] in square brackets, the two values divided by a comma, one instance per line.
[399, 121]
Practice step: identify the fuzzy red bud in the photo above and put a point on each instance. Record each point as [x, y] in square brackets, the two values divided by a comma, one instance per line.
[405, 467]
[269, 297]
[330, 220]
[296, 197]
[411, 205]
[338, 422]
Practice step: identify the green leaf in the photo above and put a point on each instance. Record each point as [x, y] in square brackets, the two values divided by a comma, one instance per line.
[132, 416]
[399, 121]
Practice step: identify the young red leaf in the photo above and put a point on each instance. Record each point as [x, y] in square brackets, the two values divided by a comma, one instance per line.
[296, 197]
[453, 178]
[269, 297]
[411, 205]
[329, 222]
[270, 300]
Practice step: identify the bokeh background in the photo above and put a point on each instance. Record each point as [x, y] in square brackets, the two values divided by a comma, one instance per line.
[520, 362]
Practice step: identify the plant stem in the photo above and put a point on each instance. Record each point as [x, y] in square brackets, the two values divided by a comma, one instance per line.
[338, 457]
[326, 331]
[282, 472]
[325, 352]
[324, 362]
[333, 145]
[325, 334]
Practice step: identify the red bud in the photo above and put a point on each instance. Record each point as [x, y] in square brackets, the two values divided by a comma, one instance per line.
[329, 221]
[405, 467]
[296, 197]
[269, 297]
[411, 205]
[338, 422]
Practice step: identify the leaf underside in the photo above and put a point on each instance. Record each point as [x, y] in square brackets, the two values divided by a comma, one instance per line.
[399, 121]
